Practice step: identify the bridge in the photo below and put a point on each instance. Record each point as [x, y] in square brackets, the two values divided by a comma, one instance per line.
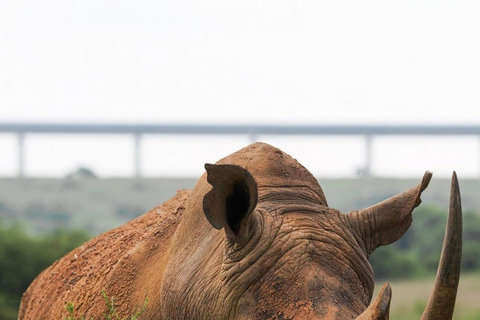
[137, 131]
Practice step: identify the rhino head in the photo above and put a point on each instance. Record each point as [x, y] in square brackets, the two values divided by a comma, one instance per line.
[259, 241]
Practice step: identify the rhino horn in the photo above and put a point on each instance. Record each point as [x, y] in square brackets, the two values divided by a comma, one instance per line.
[232, 199]
[380, 308]
[387, 221]
[442, 300]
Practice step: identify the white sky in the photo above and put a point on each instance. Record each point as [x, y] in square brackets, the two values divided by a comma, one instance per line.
[239, 62]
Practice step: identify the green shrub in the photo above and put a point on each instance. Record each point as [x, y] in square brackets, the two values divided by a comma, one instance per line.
[418, 251]
[391, 263]
[23, 257]
[110, 314]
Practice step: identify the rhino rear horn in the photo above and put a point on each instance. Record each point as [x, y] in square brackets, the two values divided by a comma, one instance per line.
[388, 220]
[442, 300]
[232, 199]
[379, 309]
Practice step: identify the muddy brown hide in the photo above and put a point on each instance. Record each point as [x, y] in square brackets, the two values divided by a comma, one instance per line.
[254, 239]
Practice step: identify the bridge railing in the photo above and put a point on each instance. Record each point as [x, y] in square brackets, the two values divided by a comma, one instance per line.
[137, 131]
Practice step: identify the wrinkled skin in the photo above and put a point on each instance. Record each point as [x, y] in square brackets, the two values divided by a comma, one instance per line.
[255, 239]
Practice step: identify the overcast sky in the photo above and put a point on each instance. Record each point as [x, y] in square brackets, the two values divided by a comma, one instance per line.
[238, 62]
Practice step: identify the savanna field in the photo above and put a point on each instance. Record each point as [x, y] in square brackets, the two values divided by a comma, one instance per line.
[42, 219]
[409, 297]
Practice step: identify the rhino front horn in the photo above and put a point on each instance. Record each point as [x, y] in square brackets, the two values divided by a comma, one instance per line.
[442, 300]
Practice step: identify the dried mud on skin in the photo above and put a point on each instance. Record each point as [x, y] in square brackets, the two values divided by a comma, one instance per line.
[81, 275]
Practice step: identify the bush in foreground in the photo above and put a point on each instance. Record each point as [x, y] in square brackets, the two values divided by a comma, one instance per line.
[23, 257]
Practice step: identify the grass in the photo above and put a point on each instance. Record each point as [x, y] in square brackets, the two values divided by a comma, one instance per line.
[94, 205]
[110, 314]
[409, 297]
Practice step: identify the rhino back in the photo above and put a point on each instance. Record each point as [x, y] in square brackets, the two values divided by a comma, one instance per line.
[119, 261]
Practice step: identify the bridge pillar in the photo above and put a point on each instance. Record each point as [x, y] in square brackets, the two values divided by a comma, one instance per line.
[137, 137]
[21, 154]
[367, 171]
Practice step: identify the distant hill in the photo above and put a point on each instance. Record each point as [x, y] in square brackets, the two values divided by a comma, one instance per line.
[101, 204]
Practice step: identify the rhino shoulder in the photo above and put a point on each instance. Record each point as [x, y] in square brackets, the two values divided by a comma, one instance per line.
[99, 264]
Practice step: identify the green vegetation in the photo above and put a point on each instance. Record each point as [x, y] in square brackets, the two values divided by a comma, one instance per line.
[94, 205]
[409, 297]
[23, 257]
[417, 253]
[111, 313]
[98, 205]
[70, 307]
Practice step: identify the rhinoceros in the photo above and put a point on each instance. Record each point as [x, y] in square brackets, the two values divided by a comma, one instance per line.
[254, 239]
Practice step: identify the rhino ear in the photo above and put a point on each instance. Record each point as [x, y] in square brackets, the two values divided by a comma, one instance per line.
[232, 199]
[388, 220]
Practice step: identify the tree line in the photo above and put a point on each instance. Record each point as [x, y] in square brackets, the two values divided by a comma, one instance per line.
[417, 253]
